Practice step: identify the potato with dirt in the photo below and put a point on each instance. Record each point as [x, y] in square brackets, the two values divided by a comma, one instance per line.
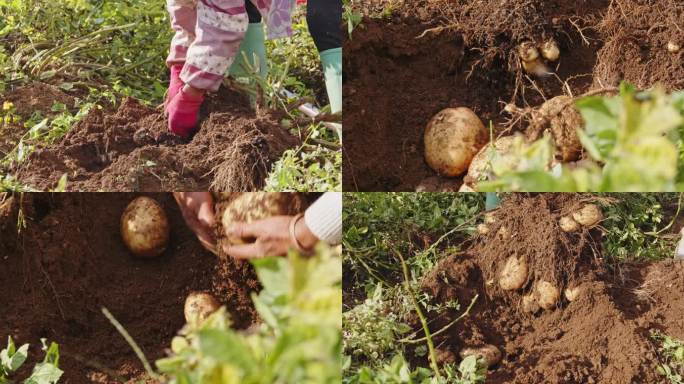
[452, 138]
[562, 119]
[513, 274]
[547, 294]
[589, 215]
[500, 151]
[145, 227]
[198, 306]
[489, 353]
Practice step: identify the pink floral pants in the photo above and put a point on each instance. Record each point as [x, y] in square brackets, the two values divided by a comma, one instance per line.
[208, 34]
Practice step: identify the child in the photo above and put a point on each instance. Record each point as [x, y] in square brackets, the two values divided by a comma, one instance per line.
[207, 40]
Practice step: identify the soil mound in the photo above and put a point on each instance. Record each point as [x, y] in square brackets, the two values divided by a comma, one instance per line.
[129, 149]
[602, 336]
[69, 262]
[397, 75]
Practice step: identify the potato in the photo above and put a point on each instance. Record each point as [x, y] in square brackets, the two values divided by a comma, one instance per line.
[144, 227]
[482, 229]
[531, 62]
[503, 233]
[514, 274]
[489, 218]
[252, 206]
[452, 138]
[673, 47]
[489, 353]
[564, 120]
[530, 303]
[500, 150]
[567, 224]
[589, 215]
[198, 306]
[547, 294]
[572, 293]
[549, 50]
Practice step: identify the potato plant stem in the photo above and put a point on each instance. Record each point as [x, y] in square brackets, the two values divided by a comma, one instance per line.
[131, 342]
[408, 340]
[421, 316]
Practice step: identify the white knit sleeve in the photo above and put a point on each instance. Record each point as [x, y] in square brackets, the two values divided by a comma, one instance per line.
[324, 217]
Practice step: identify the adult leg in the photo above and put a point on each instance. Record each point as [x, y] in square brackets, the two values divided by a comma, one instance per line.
[324, 18]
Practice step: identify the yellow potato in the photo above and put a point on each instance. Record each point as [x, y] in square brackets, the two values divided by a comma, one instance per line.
[514, 274]
[589, 215]
[489, 353]
[550, 51]
[145, 227]
[567, 224]
[548, 294]
[452, 138]
[572, 293]
[482, 229]
[198, 306]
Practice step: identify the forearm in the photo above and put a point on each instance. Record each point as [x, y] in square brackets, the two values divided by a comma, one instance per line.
[324, 218]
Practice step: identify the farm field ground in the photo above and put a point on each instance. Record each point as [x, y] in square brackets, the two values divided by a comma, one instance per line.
[63, 260]
[618, 329]
[406, 61]
[82, 88]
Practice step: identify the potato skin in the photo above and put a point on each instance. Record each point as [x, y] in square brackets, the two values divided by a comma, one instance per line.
[452, 138]
[548, 294]
[252, 206]
[513, 274]
[488, 352]
[145, 227]
[198, 306]
[567, 224]
[589, 215]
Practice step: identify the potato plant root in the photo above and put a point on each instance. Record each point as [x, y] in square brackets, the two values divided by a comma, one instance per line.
[130, 149]
[600, 337]
[397, 75]
[69, 262]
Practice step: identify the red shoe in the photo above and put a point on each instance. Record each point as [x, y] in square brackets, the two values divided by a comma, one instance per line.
[175, 84]
[183, 112]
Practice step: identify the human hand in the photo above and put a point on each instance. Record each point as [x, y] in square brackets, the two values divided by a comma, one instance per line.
[272, 236]
[198, 211]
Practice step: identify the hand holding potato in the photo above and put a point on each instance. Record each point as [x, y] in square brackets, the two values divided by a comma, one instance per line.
[268, 237]
[198, 211]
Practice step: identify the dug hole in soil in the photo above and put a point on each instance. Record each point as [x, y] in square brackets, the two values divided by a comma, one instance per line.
[69, 262]
[602, 336]
[129, 148]
[396, 81]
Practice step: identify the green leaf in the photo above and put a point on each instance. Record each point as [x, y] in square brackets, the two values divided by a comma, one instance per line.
[44, 373]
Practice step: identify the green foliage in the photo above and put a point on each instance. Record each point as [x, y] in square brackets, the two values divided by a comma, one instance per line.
[351, 17]
[310, 167]
[671, 351]
[299, 340]
[633, 226]
[87, 43]
[398, 371]
[45, 372]
[374, 222]
[634, 141]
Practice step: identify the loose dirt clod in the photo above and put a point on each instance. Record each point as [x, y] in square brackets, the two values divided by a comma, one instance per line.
[129, 149]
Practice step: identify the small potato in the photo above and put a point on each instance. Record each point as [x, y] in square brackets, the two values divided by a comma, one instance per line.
[530, 303]
[489, 353]
[549, 50]
[589, 215]
[572, 293]
[514, 274]
[673, 47]
[567, 224]
[482, 229]
[452, 138]
[198, 306]
[503, 233]
[489, 218]
[548, 294]
[145, 227]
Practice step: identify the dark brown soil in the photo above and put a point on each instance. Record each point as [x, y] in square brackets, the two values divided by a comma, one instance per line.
[395, 80]
[69, 262]
[601, 337]
[129, 149]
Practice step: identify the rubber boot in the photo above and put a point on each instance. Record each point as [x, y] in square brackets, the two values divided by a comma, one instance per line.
[332, 69]
[492, 201]
[253, 45]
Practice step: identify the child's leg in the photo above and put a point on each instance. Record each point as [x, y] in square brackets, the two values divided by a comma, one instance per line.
[253, 47]
[183, 15]
[221, 26]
